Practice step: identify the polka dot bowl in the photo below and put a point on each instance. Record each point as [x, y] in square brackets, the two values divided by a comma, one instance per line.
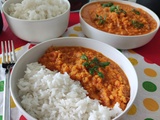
[37, 51]
[115, 40]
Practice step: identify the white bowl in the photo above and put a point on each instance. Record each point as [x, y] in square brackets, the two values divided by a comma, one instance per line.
[36, 52]
[37, 30]
[119, 41]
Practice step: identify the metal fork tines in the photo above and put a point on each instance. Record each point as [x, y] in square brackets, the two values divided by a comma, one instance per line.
[8, 60]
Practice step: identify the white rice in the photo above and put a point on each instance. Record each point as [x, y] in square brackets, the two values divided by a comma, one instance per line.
[37, 9]
[50, 95]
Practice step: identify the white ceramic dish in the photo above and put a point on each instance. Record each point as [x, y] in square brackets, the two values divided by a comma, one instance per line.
[119, 41]
[37, 30]
[36, 52]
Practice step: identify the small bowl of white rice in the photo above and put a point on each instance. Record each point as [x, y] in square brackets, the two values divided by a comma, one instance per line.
[42, 94]
[37, 20]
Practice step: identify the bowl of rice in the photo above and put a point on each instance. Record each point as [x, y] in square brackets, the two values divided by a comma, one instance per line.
[37, 20]
[41, 93]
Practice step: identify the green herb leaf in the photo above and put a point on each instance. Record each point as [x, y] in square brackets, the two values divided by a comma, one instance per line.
[86, 64]
[95, 68]
[123, 11]
[84, 57]
[104, 64]
[136, 11]
[117, 9]
[112, 8]
[95, 60]
[101, 22]
[100, 19]
[100, 74]
[137, 24]
[91, 71]
[93, 65]
[109, 4]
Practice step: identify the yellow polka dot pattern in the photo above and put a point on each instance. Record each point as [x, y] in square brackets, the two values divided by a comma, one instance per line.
[12, 104]
[150, 72]
[132, 110]
[73, 35]
[19, 48]
[151, 104]
[133, 61]
[131, 51]
[77, 28]
[0, 60]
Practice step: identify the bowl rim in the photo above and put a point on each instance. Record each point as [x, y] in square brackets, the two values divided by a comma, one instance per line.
[24, 20]
[156, 18]
[89, 39]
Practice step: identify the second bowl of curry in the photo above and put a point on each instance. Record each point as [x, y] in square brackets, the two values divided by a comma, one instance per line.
[121, 24]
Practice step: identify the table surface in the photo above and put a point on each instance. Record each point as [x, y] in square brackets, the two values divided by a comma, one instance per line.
[146, 61]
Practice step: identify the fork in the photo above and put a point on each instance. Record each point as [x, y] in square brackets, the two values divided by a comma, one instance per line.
[8, 60]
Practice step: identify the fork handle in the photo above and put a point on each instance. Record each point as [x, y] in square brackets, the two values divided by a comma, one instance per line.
[6, 109]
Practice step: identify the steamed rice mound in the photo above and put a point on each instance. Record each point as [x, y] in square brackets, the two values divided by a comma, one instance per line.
[37, 9]
[50, 95]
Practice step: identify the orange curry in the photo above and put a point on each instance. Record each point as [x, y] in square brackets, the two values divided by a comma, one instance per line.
[107, 83]
[118, 18]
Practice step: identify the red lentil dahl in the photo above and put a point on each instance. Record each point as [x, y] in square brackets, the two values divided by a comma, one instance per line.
[112, 88]
[118, 18]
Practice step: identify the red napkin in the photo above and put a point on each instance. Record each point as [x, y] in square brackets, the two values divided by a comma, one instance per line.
[151, 50]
